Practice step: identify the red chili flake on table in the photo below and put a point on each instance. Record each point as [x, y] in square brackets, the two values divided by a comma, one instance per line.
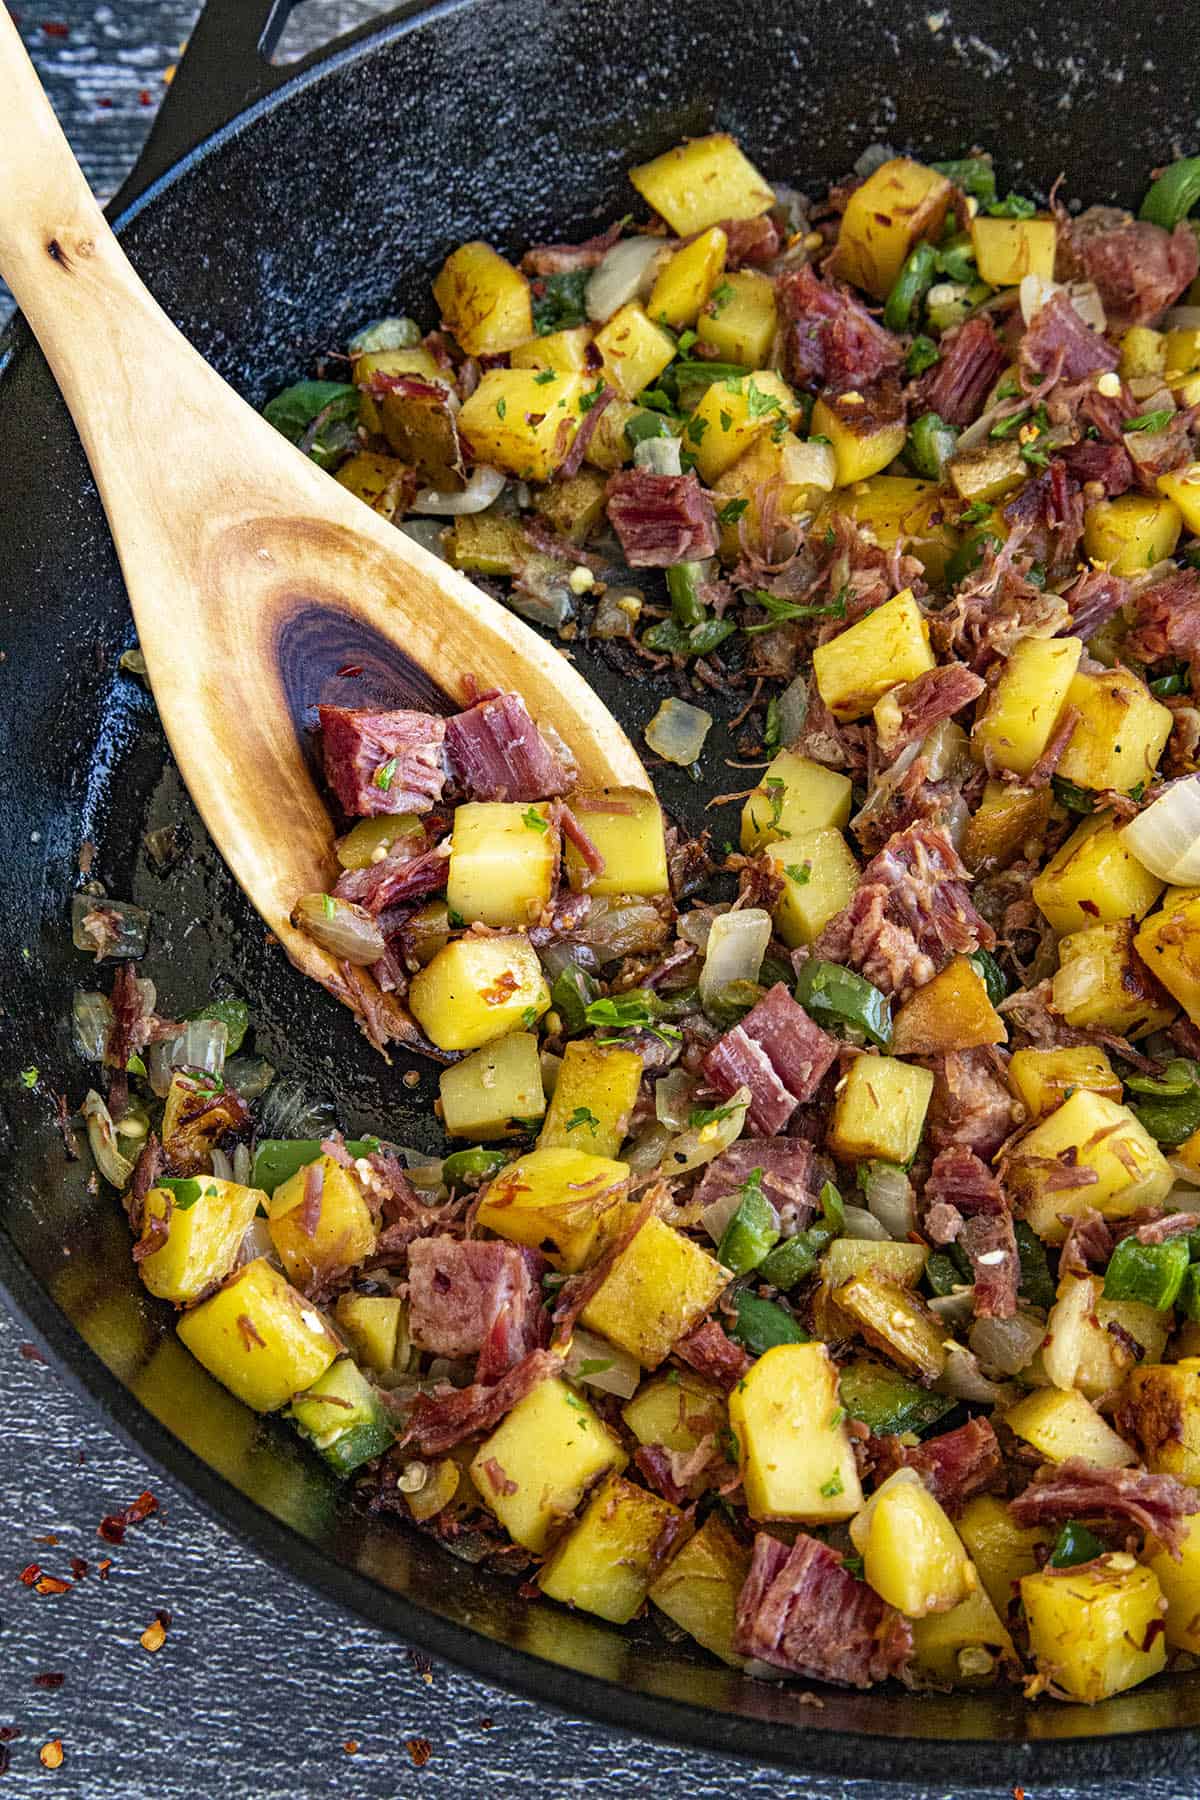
[30, 1573]
[31, 1353]
[104, 101]
[52, 1584]
[55, 28]
[103, 1566]
[423, 1665]
[79, 1568]
[48, 1537]
[144, 97]
[420, 1749]
[113, 1526]
[49, 1679]
[51, 1754]
[351, 1746]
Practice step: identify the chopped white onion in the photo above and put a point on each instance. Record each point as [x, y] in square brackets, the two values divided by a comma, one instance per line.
[483, 487]
[114, 1167]
[599, 1364]
[864, 1225]
[716, 1216]
[699, 1145]
[955, 1310]
[963, 1379]
[793, 710]
[242, 1165]
[737, 944]
[222, 1168]
[646, 1151]
[1034, 292]
[625, 272]
[202, 1045]
[677, 731]
[1165, 836]
[660, 455]
[889, 1196]
[695, 927]
[91, 1018]
[674, 1098]
[1004, 1346]
[256, 1242]
[347, 931]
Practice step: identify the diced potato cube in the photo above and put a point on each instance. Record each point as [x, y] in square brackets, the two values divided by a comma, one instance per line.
[988, 472]
[1132, 532]
[878, 652]
[380, 482]
[1006, 819]
[1182, 351]
[205, 1228]
[731, 414]
[634, 350]
[888, 508]
[1160, 1409]
[1180, 1583]
[898, 1322]
[594, 1096]
[1086, 1132]
[1169, 944]
[515, 421]
[1095, 1630]
[536, 1466]
[1182, 486]
[865, 440]
[1103, 982]
[1006, 250]
[1061, 1425]
[1043, 1079]
[819, 875]
[698, 1590]
[677, 1415]
[739, 319]
[965, 1647]
[566, 351]
[1024, 706]
[417, 361]
[573, 505]
[626, 826]
[375, 1327]
[503, 862]
[605, 1565]
[484, 1094]
[608, 447]
[1002, 1550]
[791, 474]
[1121, 733]
[1143, 352]
[951, 1012]
[483, 300]
[657, 1289]
[897, 205]
[796, 795]
[477, 989]
[486, 544]
[687, 279]
[849, 1257]
[1094, 877]
[797, 1459]
[1081, 1353]
[701, 182]
[555, 1200]
[260, 1337]
[344, 1231]
[912, 1555]
[880, 1110]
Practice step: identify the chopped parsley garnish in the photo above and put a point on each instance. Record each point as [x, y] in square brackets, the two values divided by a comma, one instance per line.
[758, 404]
[695, 428]
[773, 729]
[975, 513]
[533, 820]
[776, 792]
[29, 1076]
[782, 612]
[731, 512]
[1035, 457]
[630, 1012]
[385, 774]
[559, 303]
[800, 873]
[1149, 421]
[719, 299]
[529, 1017]
[588, 400]
[454, 919]
[730, 1448]
[583, 1115]
[700, 1116]
[501, 408]
[831, 1488]
[543, 377]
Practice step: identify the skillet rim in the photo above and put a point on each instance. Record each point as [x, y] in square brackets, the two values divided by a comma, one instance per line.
[976, 1761]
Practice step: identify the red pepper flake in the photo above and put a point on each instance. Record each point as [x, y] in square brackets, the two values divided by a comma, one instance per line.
[79, 1568]
[9, 1734]
[420, 1749]
[48, 1537]
[104, 101]
[351, 1746]
[51, 1754]
[49, 1679]
[31, 1353]
[30, 1573]
[55, 28]
[154, 1637]
[487, 1724]
[113, 1526]
[423, 1665]
[103, 1566]
[144, 97]
[52, 1584]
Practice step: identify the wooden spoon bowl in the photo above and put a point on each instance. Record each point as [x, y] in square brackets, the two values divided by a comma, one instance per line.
[253, 577]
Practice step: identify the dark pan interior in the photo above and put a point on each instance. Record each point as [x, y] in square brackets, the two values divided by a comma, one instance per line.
[333, 202]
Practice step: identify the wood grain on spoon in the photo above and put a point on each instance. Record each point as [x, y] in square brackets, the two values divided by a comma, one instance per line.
[234, 545]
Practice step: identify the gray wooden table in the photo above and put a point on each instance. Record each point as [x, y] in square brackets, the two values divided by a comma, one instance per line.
[259, 1690]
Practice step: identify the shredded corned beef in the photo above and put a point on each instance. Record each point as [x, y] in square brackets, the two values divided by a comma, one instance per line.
[750, 242]
[1139, 268]
[1167, 619]
[960, 1180]
[401, 877]
[1077, 1489]
[712, 1353]
[830, 337]
[802, 1611]
[778, 1053]
[661, 519]
[1106, 464]
[496, 752]
[1058, 346]
[1048, 511]
[953, 1467]
[1094, 598]
[436, 1422]
[471, 1297]
[971, 1106]
[928, 699]
[566, 259]
[971, 362]
[383, 762]
[787, 1177]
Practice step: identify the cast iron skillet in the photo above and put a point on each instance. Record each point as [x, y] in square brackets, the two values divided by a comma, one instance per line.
[332, 199]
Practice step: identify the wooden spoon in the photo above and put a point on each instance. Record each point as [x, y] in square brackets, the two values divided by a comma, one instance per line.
[252, 575]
